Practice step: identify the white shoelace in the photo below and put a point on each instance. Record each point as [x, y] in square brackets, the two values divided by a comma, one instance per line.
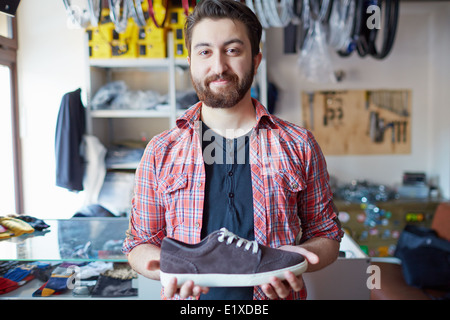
[231, 236]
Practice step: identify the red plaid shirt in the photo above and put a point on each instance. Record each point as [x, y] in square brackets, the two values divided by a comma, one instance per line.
[292, 200]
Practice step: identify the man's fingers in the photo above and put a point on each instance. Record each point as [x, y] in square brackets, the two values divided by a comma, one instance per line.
[295, 282]
[269, 291]
[171, 288]
[280, 289]
[199, 290]
[310, 256]
[186, 289]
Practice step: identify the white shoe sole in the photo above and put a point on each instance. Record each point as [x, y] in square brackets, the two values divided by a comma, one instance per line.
[231, 280]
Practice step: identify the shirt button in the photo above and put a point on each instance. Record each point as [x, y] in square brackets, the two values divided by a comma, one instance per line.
[230, 173]
[294, 186]
[231, 194]
[199, 184]
[197, 225]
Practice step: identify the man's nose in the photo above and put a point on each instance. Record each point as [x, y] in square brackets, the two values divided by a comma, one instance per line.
[220, 64]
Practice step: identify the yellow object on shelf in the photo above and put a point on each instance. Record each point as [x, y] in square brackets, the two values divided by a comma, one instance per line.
[148, 41]
[152, 41]
[177, 16]
[100, 50]
[125, 44]
[15, 227]
[152, 50]
[176, 22]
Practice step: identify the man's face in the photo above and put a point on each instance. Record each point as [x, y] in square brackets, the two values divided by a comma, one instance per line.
[221, 64]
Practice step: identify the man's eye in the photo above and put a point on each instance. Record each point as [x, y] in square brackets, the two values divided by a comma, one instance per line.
[203, 52]
[233, 51]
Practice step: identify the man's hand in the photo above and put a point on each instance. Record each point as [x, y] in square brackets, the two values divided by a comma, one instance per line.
[188, 289]
[277, 288]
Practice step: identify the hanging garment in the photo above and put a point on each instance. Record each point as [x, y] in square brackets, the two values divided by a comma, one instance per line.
[70, 128]
[95, 170]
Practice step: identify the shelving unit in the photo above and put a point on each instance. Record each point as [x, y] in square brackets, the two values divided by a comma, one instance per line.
[130, 114]
[102, 71]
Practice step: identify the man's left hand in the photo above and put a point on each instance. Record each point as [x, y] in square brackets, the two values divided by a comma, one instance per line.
[278, 288]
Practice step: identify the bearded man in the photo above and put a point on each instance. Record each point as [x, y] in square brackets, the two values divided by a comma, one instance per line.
[229, 163]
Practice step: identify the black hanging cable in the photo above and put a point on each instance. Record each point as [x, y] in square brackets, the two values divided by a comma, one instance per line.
[364, 38]
[291, 30]
[366, 34]
[391, 10]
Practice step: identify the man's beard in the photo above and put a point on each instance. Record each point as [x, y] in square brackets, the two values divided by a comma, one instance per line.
[225, 97]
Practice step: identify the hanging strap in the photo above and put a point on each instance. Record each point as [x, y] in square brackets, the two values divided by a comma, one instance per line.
[391, 8]
[151, 12]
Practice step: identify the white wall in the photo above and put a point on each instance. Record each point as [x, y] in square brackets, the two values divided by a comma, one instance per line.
[51, 63]
[419, 61]
[439, 138]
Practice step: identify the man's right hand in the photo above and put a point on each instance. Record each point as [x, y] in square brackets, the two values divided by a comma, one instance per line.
[188, 289]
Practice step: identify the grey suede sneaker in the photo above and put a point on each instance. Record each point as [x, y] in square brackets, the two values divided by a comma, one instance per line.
[225, 260]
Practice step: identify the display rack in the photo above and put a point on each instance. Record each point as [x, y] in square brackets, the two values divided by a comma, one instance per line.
[64, 241]
[102, 71]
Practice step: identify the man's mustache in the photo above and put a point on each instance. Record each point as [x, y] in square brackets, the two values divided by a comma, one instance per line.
[224, 76]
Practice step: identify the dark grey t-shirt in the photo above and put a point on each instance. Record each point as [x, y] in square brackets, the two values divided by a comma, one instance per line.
[228, 196]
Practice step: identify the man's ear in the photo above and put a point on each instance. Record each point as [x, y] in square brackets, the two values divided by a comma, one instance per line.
[257, 59]
[189, 60]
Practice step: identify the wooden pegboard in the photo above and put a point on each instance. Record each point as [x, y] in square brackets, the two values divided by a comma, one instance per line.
[358, 122]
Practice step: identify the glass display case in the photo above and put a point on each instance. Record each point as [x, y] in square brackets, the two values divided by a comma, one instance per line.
[77, 240]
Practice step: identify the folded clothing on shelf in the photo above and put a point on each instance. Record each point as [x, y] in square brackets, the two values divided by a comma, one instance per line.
[35, 223]
[20, 274]
[60, 279]
[112, 287]
[17, 225]
[14, 227]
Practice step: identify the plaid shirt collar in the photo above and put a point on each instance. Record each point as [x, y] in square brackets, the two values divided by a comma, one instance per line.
[192, 115]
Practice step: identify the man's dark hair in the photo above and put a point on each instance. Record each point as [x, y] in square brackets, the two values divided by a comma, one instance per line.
[230, 9]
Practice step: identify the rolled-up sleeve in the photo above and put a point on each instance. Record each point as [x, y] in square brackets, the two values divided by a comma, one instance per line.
[147, 222]
[318, 214]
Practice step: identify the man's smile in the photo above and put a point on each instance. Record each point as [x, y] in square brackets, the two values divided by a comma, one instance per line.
[220, 82]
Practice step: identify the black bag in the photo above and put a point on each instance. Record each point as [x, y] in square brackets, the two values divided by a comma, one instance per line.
[425, 258]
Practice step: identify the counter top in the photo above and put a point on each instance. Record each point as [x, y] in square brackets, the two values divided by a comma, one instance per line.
[76, 239]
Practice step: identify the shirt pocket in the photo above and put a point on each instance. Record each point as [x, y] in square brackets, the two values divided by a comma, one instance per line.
[287, 188]
[172, 188]
[172, 183]
[290, 180]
